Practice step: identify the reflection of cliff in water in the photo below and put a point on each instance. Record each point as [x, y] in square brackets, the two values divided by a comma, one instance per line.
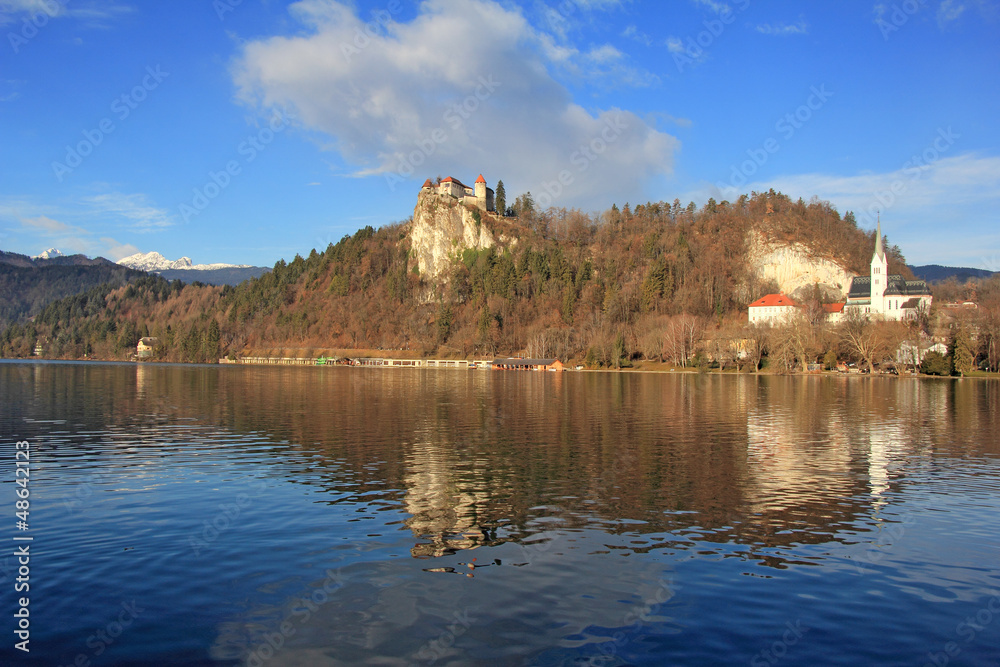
[474, 457]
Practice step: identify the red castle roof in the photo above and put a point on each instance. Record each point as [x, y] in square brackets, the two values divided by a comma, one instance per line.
[427, 183]
[480, 179]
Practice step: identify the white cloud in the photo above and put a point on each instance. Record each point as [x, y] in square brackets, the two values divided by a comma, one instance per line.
[135, 209]
[94, 15]
[633, 33]
[487, 95]
[949, 11]
[933, 207]
[675, 45]
[783, 29]
[717, 7]
[114, 250]
[48, 226]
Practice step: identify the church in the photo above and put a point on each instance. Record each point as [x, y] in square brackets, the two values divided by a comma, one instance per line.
[887, 295]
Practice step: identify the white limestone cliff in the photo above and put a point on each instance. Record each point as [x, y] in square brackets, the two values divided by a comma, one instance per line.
[795, 267]
[441, 229]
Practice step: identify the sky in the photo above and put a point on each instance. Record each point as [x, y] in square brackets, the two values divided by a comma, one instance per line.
[246, 131]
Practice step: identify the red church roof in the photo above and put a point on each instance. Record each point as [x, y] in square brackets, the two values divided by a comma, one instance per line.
[480, 179]
[773, 300]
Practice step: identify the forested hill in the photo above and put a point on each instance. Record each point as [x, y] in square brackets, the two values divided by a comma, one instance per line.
[26, 284]
[557, 282]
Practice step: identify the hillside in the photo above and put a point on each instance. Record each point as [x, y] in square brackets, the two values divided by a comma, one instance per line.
[27, 285]
[454, 280]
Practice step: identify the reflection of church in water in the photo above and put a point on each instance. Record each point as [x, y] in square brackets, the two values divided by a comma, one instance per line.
[820, 460]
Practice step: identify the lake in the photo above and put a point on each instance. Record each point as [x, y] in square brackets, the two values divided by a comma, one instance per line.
[204, 515]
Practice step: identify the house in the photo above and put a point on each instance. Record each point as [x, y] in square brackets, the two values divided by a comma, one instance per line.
[526, 365]
[834, 312]
[772, 309]
[887, 295]
[908, 353]
[146, 346]
[479, 196]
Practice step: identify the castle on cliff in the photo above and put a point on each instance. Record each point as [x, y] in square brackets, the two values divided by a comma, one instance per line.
[480, 196]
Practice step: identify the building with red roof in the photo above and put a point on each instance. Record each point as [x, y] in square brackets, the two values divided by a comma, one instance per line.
[479, 196]
[834, 312]
[772, 309]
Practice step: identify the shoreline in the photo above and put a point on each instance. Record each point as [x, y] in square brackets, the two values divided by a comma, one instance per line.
[310, 363]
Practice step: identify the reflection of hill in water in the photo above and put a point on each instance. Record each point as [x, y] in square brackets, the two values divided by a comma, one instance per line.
[478, 457]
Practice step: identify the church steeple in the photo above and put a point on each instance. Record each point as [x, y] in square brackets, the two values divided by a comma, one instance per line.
[879, 251]
[879, 273]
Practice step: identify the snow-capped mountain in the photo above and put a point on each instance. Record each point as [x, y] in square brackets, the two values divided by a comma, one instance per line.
[51, 253]
[154, 261]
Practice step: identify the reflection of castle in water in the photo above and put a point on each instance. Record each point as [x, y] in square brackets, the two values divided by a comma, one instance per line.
[441, 511]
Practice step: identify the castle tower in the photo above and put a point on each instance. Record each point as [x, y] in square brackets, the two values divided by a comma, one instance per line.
[879, 273]
[481, 192]
[484, 195]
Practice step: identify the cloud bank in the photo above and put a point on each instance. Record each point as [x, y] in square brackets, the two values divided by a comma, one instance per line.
[467, 86]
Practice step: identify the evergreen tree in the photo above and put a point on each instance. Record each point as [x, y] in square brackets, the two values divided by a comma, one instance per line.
[963, 352]
[212, 339]
[500, 200]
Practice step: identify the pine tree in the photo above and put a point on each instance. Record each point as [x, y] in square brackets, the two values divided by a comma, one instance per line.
[500, 199]
[963, 352]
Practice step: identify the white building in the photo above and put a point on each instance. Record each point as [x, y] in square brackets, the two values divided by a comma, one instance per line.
[884, 294]
[772, 309]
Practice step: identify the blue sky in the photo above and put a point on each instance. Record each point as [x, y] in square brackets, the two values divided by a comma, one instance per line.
[245, 132]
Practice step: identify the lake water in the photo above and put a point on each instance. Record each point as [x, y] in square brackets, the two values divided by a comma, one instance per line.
[194, 515]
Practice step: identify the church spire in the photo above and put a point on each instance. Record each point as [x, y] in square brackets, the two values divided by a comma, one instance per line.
[879, 251]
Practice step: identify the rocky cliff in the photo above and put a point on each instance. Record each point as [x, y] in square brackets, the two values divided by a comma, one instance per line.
[796, 268]
[441, 229]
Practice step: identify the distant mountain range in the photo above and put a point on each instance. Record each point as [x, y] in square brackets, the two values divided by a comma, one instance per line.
[50, 257]
[183, 269]
[27, 284]
[933, 273]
